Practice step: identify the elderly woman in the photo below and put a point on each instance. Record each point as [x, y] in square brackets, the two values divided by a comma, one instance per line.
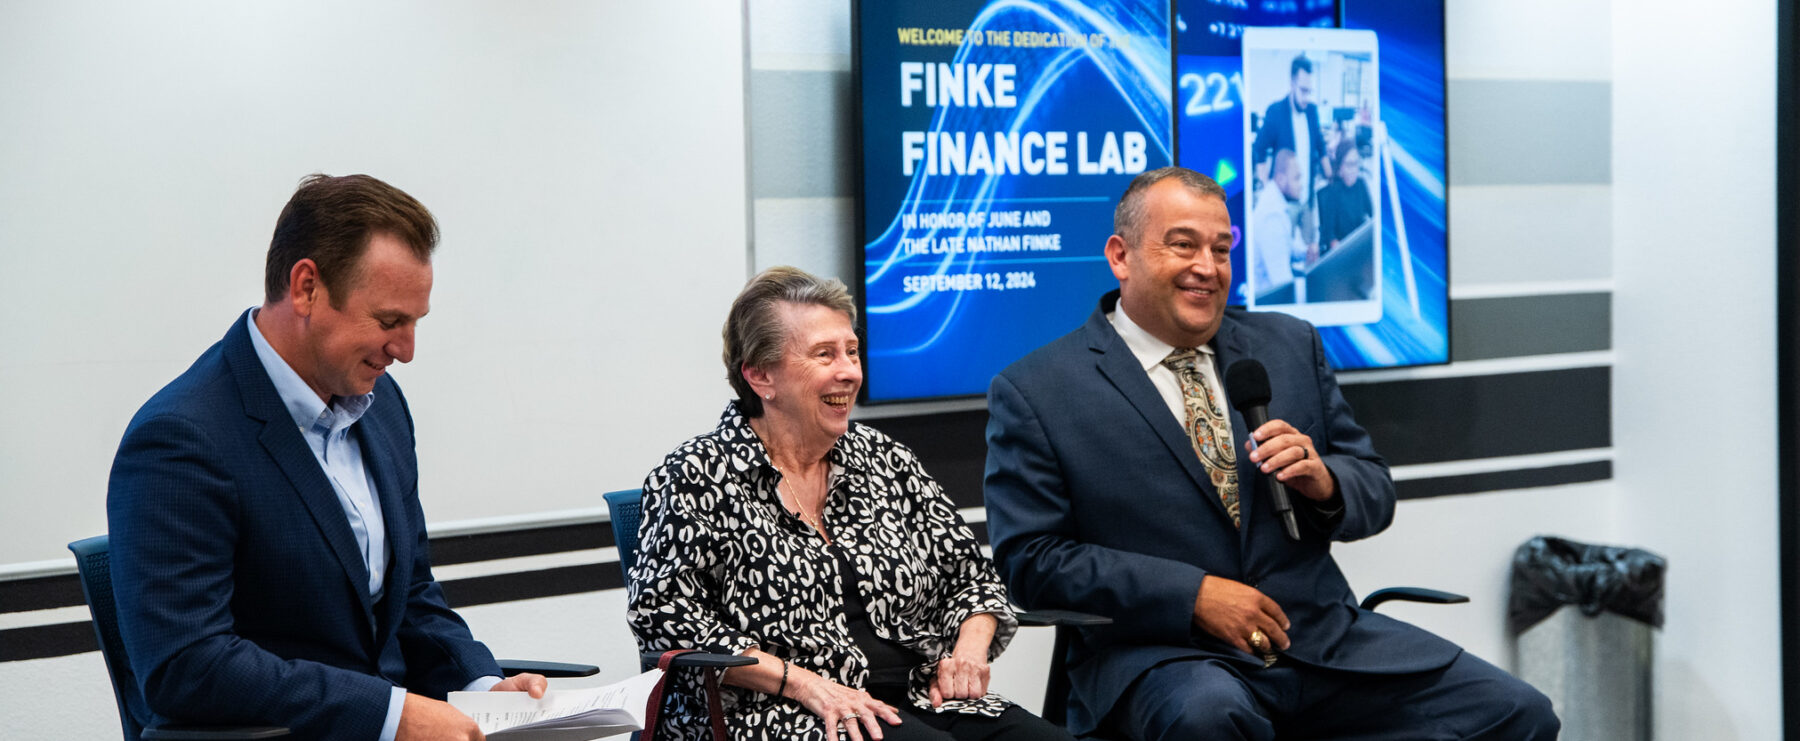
[821, 548]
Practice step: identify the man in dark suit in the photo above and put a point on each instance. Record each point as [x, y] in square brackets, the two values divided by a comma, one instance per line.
[1120, 483]
[268, 549]
[1279, 132]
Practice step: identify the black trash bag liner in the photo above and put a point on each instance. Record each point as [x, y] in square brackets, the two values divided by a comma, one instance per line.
[1548, 573]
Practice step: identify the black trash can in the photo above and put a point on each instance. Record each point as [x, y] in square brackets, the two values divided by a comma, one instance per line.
[1582, 616]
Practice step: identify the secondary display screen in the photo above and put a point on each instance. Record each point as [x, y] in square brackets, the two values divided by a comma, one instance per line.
[1394, 311]
[996, 138]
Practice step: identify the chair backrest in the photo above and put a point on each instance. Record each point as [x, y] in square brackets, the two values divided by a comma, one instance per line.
[625, 508]
[95, 564]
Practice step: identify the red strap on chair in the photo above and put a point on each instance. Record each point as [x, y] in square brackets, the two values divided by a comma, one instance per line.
[713, 707]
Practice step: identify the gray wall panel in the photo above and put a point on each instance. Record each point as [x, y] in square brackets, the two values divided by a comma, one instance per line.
[801, 134]
[1517, 326]
[1517, 132]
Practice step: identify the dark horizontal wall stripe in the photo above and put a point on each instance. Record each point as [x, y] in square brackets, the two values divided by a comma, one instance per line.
[515, 543]
[1476, 483]
[40, 593]
[1450, 419]
[1517, 326]
[64, 590]
[483, 590]
[801, 142]
[953, 447]
[47, 641]
[1530, 132]
[67, 639]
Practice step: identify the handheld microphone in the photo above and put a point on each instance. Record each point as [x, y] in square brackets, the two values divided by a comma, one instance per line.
[1247, 385]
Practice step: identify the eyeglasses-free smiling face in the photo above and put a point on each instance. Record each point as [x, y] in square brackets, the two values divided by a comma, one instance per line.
[820, 372]
[348, 348]
[1174, 281]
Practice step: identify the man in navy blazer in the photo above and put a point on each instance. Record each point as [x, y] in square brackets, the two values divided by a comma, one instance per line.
[268, 549]
[1278, 132]
[1098, 501]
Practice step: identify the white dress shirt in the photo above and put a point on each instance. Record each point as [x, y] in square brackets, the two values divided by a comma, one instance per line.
[1150, 353]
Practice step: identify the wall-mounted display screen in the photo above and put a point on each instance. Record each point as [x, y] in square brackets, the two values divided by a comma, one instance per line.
[1382, 300]
[1415, 324]
[996, 137]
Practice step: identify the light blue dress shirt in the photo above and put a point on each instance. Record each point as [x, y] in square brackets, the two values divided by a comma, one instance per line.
[327, 432]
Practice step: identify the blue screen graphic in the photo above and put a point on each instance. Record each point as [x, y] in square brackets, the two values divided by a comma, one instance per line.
[1209, 134]
[996, 137]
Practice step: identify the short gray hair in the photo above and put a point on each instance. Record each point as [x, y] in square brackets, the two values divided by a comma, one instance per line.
[1128, 218]
[754, 333]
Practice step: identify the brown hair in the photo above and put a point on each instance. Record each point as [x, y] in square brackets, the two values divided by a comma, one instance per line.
[754, 334]
[330, 220]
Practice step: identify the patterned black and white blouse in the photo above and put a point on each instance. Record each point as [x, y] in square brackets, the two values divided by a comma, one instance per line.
[723, 566]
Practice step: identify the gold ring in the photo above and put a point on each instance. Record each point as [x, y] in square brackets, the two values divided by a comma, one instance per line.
[1257, 639]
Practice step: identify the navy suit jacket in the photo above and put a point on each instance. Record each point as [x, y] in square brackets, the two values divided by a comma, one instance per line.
[1277, 132]
[242, 595]
[1097, 502]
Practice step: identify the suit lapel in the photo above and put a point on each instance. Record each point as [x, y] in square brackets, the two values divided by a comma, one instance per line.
[1229, 347]
[378, 455]
[1116, 363]
[288, 448]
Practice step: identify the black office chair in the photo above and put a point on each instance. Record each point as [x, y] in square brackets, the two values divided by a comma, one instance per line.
[93, 561]
[625, 509]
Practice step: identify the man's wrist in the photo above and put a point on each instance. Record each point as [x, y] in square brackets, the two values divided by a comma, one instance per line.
[396, 703]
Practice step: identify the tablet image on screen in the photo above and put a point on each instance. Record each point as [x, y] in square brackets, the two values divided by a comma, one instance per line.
[1312, 140]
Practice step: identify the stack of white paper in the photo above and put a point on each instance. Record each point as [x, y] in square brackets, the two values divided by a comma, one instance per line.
[561, 715]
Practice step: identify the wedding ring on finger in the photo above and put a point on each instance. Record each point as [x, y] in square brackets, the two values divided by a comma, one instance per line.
[852, 716]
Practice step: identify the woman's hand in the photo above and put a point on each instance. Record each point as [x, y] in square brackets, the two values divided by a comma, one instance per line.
[837, 704]
[963, 675]
[960, 678]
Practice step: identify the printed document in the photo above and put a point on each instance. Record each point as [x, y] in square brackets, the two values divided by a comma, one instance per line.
[561, 715]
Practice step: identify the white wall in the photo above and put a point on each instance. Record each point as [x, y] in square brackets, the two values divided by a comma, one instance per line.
[585, 161]
[1694, 219]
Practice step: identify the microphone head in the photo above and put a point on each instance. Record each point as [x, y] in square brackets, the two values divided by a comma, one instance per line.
[1247, 384]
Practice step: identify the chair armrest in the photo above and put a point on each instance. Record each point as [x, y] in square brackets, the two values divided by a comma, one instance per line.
[1412, 594]
[1061, 617]
[182, 732]
[700, 659]
[550, 669]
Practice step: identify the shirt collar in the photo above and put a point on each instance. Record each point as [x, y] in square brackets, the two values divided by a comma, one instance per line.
[1149, 351]
[308, 411]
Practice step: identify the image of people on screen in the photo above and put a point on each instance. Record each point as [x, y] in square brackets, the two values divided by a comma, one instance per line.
[1277, 209]
[1345, 203]
[1292, 123]
[1312, 206]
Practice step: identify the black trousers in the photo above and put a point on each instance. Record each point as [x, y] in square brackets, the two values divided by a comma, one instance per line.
[1016, 724]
